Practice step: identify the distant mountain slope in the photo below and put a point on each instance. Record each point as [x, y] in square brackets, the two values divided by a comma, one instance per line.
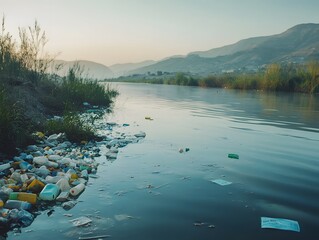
[90, 69]
[125, 68]
[298, 44]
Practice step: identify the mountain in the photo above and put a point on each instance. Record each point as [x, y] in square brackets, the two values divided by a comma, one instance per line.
[90, 69]
[125, 68]
[298, 44]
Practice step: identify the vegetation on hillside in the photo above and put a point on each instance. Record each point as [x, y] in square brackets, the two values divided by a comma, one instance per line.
[290, 78]
[29, 95]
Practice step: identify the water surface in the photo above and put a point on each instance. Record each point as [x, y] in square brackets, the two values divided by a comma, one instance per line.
[154, 192]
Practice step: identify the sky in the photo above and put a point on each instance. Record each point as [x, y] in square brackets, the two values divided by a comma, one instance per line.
[126, 31]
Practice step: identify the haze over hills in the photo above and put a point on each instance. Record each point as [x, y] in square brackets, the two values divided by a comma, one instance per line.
[298, 44]
[90, 69]
[125, 68]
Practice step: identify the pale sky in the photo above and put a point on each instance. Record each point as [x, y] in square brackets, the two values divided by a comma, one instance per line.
[122, 31]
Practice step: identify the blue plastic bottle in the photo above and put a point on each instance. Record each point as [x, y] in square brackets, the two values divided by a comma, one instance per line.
[11, 204]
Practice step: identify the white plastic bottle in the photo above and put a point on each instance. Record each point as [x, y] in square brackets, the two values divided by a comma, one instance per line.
[77, 189]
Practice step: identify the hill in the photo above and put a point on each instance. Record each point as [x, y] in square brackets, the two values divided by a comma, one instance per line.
[298, 44]
[90, 69]
[125, 68]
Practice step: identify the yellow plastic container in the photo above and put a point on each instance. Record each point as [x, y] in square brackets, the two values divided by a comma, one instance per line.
[1, 203]
[36, 186]
[22, 196]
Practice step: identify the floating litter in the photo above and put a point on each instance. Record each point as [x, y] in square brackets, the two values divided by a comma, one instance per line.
[81, 221]
[233, 155]
[221, 182]
[280, 223]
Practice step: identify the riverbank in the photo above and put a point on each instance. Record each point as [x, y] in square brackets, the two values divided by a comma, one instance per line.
[303, 78]
[55, 163]
[29, 96]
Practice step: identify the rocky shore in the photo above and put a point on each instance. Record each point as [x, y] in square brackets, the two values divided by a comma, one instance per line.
[54, 171]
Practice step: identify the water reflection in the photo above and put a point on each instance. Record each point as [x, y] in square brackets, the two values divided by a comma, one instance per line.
[286, 110]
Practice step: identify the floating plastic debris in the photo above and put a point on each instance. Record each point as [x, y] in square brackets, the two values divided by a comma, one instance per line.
[221, 182]
[123, 217]
[280, 223]
[80, 221]
[94, 237]
[233, 155]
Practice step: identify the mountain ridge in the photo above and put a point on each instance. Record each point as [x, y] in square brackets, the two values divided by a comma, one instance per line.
[297, 44]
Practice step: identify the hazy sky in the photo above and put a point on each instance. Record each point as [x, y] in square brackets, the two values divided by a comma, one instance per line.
[120, 31]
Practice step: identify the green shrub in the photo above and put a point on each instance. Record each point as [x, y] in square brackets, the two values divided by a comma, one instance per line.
[76, 90]
[75, 129]
[14, 128]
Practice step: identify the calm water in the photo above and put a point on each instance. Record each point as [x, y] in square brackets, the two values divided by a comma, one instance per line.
[165, 192]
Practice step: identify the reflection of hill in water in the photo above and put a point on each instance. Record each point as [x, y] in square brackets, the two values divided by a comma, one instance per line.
[285, 110]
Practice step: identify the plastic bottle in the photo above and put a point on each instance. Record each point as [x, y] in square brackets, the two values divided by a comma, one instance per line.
[52, 164]
[51, 179]
[23, 196]
[68, 205]
[49, 192]
[71, 174]
[63, 196]
[42, 171]
[5, 166]
[54, 158]
[25, 166]
[63, 184]
[84, 174]
[11, 204]
[16, 176]
[77, 189]
[21, 217]
[24, 177]
[36, 186]
[40, 160]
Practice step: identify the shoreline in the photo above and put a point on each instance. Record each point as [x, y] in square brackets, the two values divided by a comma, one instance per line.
[56, 161]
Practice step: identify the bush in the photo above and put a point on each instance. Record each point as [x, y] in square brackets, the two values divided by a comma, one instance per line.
[14, 129]
[75, 129]
[76, 90]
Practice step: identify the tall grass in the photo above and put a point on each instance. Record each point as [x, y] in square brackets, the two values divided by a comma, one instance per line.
[23, 68]
[14, 129]
[77, 90]
[73, 126]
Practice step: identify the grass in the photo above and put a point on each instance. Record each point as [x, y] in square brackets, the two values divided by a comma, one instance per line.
[28, 95]
[77, 90]
[75, 129]
[14, 129]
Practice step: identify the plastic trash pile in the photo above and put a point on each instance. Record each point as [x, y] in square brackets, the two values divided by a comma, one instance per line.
[53, 171]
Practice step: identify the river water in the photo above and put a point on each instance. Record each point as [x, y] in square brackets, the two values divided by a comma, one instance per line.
[152, 191]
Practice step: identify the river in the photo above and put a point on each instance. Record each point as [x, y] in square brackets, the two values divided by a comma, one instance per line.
[152, 191]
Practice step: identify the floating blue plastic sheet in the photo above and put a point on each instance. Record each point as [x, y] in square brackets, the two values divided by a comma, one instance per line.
[221, 182]
[280, 223]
